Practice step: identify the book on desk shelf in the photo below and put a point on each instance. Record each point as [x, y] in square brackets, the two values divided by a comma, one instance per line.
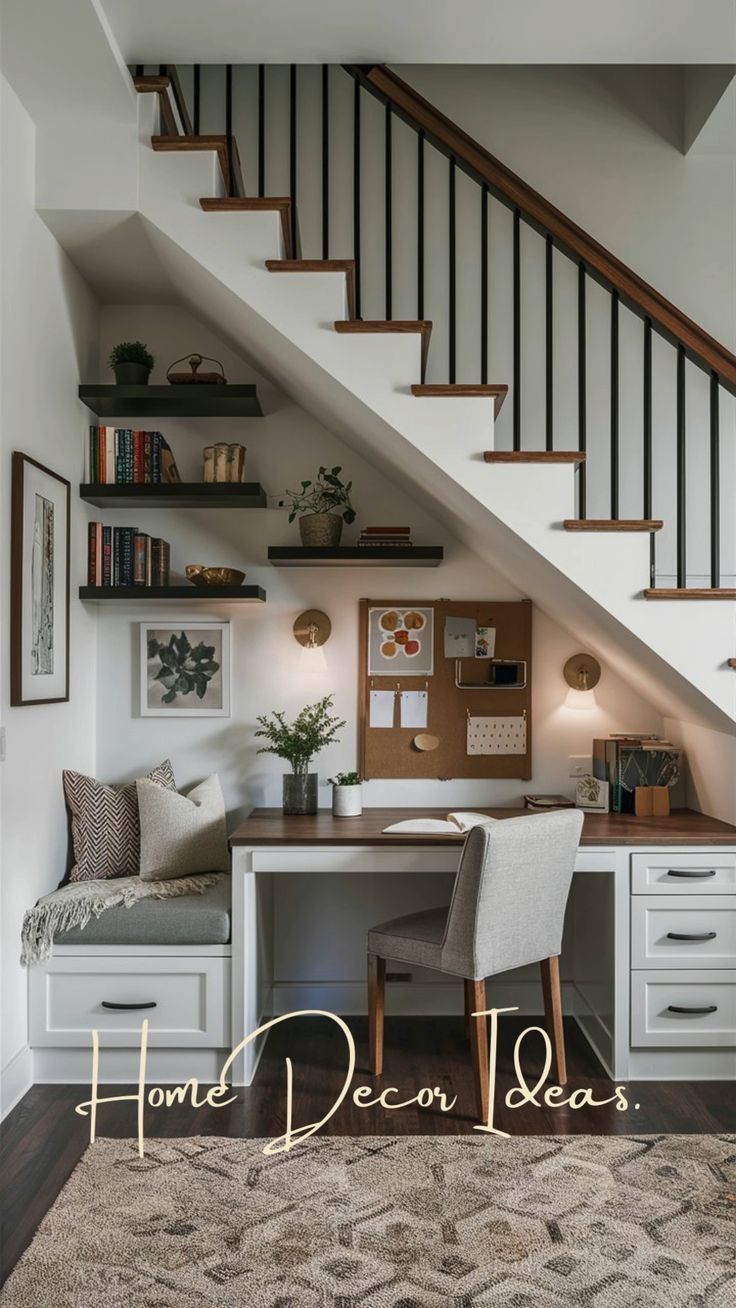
[453, 823]
[119, 456]
[542, 803]
[125, 556]
[385, 536]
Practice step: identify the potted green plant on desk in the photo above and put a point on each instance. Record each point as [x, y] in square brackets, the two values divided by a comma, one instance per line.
[347, 794]
[322, 506]
[298, 741]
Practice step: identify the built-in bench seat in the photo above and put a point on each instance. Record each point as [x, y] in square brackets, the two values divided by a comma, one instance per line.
[189, 920]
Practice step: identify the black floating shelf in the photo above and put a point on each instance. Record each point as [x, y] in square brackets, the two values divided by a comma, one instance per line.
[172, 401]
[352, 556]
[178, 495]
[110, 594]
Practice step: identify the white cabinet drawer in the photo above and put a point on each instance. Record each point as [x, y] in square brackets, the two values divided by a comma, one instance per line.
[683, 931]
[708, 872]
[676, 1009]
[186, 1001]
[404, 858]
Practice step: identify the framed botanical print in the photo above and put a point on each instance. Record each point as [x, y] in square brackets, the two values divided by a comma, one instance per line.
[39, 584]
[185, 670]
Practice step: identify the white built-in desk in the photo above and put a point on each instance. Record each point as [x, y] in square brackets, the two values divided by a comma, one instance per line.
[649, 957]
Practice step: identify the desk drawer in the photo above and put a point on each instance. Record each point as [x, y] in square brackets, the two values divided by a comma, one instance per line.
[402, 859]
[683, 1009]
[191, 998]
[683, 931]
[711, 872]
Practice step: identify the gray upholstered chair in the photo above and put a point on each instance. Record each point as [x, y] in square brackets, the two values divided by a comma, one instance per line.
[507, 910]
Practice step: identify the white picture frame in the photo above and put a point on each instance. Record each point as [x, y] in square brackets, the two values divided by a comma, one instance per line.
[592, 795]
[208, 692]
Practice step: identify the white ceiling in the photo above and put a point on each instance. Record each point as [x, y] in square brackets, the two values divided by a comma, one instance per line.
[425, 31]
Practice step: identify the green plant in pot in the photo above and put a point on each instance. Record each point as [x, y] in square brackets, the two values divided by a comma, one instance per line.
[297, 742]
[131, 361]
[321, 507]
[347, 794]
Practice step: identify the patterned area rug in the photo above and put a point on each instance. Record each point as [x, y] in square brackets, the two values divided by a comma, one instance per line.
[417, 1222]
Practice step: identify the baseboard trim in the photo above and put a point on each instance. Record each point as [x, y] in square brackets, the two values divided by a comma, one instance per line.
[16, 1079]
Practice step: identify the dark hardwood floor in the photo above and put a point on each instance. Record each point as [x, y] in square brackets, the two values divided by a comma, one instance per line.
[43, 1138]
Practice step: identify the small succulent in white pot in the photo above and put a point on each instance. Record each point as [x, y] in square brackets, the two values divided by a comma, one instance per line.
[347, 794]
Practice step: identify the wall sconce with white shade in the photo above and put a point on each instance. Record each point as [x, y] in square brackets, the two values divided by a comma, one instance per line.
[312, 629]
[582, 673]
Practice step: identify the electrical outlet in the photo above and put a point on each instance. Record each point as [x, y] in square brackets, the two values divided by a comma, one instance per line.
[277, 501]
[581, 765]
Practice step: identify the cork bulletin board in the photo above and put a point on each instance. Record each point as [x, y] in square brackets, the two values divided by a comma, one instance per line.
[483, 726]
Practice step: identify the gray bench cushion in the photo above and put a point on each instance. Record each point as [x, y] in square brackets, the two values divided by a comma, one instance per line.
[187, 920]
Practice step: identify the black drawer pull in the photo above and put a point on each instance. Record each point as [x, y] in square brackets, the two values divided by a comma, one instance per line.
[691, 935]
[695, 873]
[706, 1008]
[125, 1008]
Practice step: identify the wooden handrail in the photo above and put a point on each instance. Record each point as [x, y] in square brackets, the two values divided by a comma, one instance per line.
[701, 347]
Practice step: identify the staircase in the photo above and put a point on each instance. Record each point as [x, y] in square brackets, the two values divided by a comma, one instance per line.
[516, 494]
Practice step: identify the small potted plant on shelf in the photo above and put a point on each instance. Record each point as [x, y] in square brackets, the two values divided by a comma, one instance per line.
[347, 795]
[131, 361]
[322, 506]
[298, 741]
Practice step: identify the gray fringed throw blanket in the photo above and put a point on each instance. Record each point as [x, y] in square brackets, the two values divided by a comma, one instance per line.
[73, 905]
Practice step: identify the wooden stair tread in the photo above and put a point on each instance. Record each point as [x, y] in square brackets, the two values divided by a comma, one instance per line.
[217, 142]
[361, 326]
[690, 593]
[613, 524]
[252, 204]
[534, 456]
[346, 266]
[479, 390]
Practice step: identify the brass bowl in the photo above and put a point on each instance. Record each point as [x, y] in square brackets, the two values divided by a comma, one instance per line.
[199, 575]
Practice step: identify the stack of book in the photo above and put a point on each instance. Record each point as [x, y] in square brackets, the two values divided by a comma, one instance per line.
[224, 463]
[121, 456]
[125, 556]
[385, 536]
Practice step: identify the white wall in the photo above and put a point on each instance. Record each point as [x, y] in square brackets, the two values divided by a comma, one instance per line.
[267, 672]
[710, 768]
[49, 335]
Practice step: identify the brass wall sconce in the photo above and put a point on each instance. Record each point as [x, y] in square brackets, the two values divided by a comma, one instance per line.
[312, 629]
[582, 672]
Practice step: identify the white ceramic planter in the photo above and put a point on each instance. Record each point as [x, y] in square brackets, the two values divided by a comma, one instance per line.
[347, 801]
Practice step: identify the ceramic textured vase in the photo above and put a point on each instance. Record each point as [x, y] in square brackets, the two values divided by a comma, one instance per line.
[299, 793]
[347, 801]
[320, 528]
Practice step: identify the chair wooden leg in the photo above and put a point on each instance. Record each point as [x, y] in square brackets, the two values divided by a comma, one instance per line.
[550, 968]
[475, 1002]
[468, 1010]
[376, 1007]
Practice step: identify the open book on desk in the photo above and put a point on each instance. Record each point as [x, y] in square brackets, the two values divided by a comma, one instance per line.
[452, 824]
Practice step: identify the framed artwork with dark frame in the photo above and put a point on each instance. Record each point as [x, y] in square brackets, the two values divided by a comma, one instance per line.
[39, 584]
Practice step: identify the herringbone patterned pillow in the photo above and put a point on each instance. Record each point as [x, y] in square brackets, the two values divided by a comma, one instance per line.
[106, 831]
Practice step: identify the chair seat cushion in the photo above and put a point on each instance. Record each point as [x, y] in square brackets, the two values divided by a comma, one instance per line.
[416, 938]
[187, 920]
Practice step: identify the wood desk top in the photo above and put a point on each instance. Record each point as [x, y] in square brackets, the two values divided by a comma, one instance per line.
[268, 826]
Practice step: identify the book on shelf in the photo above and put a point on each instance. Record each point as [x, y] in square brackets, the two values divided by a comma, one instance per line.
[120, 456]
[383, 536]
[542, 803]
[126, 556]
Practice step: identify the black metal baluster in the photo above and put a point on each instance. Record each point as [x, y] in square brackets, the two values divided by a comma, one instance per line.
[517, 331]
[452, 336]
[162, 70]
[356, 193]
[325, 161]
[549, 344]
[614, 407]
[388, 201]
[292, 158]
[582, 392]
[647, 436]
[261, 129]
[484, 284]
[196, 99]
[139, 70]
[681, 472]
[229, 127]
[420, 226]
[715, 484]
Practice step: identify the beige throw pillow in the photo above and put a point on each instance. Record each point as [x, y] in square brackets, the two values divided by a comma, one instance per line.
[182, 834]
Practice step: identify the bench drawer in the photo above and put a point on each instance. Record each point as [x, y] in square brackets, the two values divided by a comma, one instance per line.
[186, 1001]
[676, 931]
[710, 872]
[683, 1009]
